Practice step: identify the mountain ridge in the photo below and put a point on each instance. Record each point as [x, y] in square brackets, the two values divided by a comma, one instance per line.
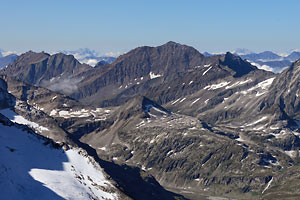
[210, 126]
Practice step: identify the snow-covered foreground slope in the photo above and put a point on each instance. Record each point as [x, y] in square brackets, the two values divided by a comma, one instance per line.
[30, 168]
[14, 117]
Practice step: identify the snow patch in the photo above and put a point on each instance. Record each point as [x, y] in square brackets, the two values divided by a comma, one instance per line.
[159, 110]
[257, 121]
[152, 75]
[102, 148]
[175, 101]
[206, 71]
[142, 123]
[263, 85]
[54, 98]
[182, 100]
[195, 101]
[274, 127]
[98, 114]
[269, 183]
[14, 117]
[53, 112]
[241, 139]
[291, 153]
[238, 83]
[216, 86]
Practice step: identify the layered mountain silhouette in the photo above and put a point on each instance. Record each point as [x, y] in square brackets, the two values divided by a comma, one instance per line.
[202, 126]
[90, 57]
[132, 73]
[269, 60]
[58, 72]
[6, 60]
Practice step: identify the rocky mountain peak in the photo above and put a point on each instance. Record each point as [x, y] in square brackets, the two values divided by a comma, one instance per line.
[50, 71]
[69, 61]
[168, 57]
[31, 57]
[172, 44]
[238, 65]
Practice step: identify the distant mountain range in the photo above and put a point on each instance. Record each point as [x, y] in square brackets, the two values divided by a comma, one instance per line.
[90, 57]
[83, 55]
[267, 60]
[6, 58]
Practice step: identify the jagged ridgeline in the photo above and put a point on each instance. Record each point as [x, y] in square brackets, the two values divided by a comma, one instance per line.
[168, 118]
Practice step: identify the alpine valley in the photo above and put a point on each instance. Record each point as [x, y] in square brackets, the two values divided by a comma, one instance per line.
[163, 122]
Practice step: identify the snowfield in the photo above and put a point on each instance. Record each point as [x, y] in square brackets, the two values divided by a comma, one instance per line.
[30, 168]
[206, 71]
[216, 86]
[14, 117]
[153, 76]
[98, 114]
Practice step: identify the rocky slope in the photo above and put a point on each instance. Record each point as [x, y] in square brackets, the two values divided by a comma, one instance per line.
[134, 73]
[65, 120]
[149, 68]
[284, 92]
[67, 173]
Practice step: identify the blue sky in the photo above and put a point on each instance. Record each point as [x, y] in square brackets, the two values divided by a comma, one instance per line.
[120, 25]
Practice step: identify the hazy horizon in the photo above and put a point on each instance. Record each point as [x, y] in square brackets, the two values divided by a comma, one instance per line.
[118, 53]
[119, 26]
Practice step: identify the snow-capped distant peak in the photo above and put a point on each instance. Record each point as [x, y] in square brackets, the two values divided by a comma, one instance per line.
[113, 54]
[82, 53]
[287, 53]
[88, 56]
[4, 53]
[242, 51]
[295, 50]
[7, 53]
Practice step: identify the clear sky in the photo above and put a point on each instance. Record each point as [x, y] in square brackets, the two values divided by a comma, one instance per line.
[120, 25]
